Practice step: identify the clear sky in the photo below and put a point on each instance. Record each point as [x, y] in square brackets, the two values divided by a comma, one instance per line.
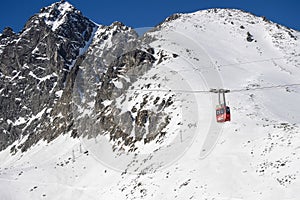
[141, 13]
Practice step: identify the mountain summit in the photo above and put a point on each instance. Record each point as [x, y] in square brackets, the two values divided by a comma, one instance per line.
[35, 66]
[90, 111]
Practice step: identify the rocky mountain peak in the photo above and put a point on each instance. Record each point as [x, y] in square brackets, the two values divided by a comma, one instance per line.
[119, 24]
[35, 66]
[7, 32]
[60, 13]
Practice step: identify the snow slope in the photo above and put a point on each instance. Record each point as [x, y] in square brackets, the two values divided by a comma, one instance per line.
[255, 156]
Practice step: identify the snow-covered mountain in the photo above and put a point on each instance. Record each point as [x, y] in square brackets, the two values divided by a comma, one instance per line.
[97, 112]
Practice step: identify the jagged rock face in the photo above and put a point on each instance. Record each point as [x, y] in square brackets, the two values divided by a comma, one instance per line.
[58, 74]
[85, 78]
[112, 121]
[105, 116]
[35, 65]
[42, 66]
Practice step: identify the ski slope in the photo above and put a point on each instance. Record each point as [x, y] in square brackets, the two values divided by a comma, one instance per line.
[255, 156]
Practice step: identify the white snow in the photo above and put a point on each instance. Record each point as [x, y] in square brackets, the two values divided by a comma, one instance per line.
[19, 121]
[117, 83]
[34, 117]
[42, 78]
[106, 102]
[58, 93]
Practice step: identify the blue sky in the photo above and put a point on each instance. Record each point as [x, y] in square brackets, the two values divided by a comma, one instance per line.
[134, 13]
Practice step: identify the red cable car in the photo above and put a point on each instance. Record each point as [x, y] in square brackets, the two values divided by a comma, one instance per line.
[223, 114]
[222, 110]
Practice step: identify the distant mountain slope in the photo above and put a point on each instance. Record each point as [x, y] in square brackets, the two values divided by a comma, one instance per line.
[91, 111]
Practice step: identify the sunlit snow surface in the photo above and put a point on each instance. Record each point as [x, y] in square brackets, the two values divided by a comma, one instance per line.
[255, 156]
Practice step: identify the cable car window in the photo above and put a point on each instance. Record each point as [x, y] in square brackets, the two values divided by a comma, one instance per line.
[222, 111]
[228, 110]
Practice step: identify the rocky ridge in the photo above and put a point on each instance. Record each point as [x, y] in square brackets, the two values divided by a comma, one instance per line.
[43, 66]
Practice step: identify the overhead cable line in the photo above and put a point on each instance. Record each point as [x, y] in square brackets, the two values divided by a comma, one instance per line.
[266, 87]
[234, 64]
[206, 91]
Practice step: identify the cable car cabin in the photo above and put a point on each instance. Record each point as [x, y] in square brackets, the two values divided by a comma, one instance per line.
[222, 111]
[223, 114]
